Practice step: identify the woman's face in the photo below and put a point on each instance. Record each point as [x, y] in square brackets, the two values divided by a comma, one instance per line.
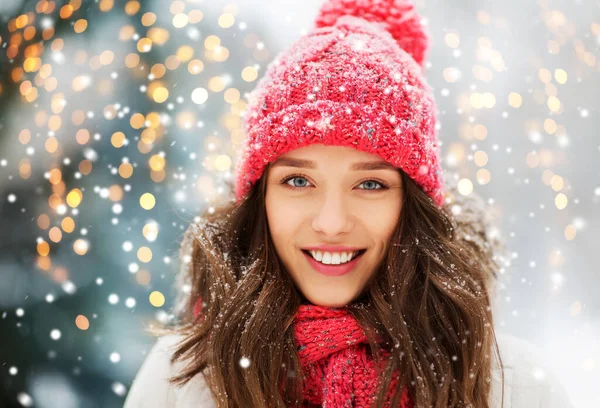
[332, 195]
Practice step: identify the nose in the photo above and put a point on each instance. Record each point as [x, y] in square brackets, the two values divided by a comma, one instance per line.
[332, 215]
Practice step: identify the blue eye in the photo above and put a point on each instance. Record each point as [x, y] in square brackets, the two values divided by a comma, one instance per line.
[296, 178]
[371, 184]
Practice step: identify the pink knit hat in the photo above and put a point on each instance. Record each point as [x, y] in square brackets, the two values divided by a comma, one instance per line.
[355, 81]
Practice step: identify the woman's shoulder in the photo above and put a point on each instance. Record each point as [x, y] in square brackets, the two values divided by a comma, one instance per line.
[529, 381]
[151, 387]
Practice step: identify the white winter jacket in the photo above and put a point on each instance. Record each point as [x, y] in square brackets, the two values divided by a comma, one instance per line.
[528, 382]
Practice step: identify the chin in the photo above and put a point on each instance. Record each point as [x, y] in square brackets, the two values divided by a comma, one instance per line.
[329, 299]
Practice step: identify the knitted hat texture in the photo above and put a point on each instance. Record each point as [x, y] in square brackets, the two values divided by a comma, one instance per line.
[356, 80]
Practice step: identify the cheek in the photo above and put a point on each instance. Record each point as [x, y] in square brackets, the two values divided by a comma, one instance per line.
[380, 224]
[381, 219]
[284, 220]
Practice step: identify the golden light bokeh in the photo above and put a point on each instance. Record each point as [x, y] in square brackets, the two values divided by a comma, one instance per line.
[144, 254]
[82, 136]
[80, 26]
[74, 197]
[483, 73]
[32, 64]
[195, 66]
[211, 42]
[66, 11]
[195, 16]
[158, 70]
[153, 120]
[465, 186]
[144, 44]
[143, 277]
[533, 160]
[117, 139]
[55, 176]
[43, 249]
[231, 95]
[180, 20]
[561, 76]
[222, 162]
[515, 100]
[43, 221]
[55, 234]
[148, 19]
[147, 201]
[550, 126]
[483, 100]
[148, 136]
[157, 299]
[81, 82]
[554, 104]
[24, 169]
[132, 7]
[452, 40]
[158, 36]
[544, 75]
[158, 176]
[185, 53]
[177, 6]
[125, 170]
[137, 120]
[132, 60]
[220, 54]
[107, 57]
[172, 62]
[160, 94]
[150, 231]
[85, 167]
[68, 224]
[561, 201]
[480, 132]
[115, 193]
[106, 5]
[483, 176]
[81, 246]
[451, 74]
[216, 84]
[557, 182]
[24, 136]
[570, 232]
[480, 158]
[226, 20]
[157, 162]
[82, 322]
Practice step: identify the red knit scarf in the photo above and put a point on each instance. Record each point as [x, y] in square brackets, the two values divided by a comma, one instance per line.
[333, 353]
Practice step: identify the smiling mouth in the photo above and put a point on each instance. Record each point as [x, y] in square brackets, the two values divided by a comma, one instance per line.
[357, 255]
[333, 269]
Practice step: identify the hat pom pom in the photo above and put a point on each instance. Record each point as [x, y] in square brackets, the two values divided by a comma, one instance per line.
[399, 17]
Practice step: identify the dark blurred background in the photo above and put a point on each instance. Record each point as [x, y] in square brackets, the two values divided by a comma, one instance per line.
[121, 120]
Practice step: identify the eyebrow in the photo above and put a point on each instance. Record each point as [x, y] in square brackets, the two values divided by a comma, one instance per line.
[302, 163]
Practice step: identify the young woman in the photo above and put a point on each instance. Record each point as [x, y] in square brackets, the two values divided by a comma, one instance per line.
[344, 273]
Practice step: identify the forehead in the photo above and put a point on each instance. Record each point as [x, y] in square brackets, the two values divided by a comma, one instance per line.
[315, 156]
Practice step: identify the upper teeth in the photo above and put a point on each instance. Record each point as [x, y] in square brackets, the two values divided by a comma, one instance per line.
[333, 258]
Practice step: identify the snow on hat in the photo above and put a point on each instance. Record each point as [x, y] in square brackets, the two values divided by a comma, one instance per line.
[356, 80]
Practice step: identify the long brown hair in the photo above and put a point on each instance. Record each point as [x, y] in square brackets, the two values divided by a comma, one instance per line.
[430, 299]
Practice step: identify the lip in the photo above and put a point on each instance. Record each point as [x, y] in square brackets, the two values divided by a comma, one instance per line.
[333, 248]
[332, 270]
